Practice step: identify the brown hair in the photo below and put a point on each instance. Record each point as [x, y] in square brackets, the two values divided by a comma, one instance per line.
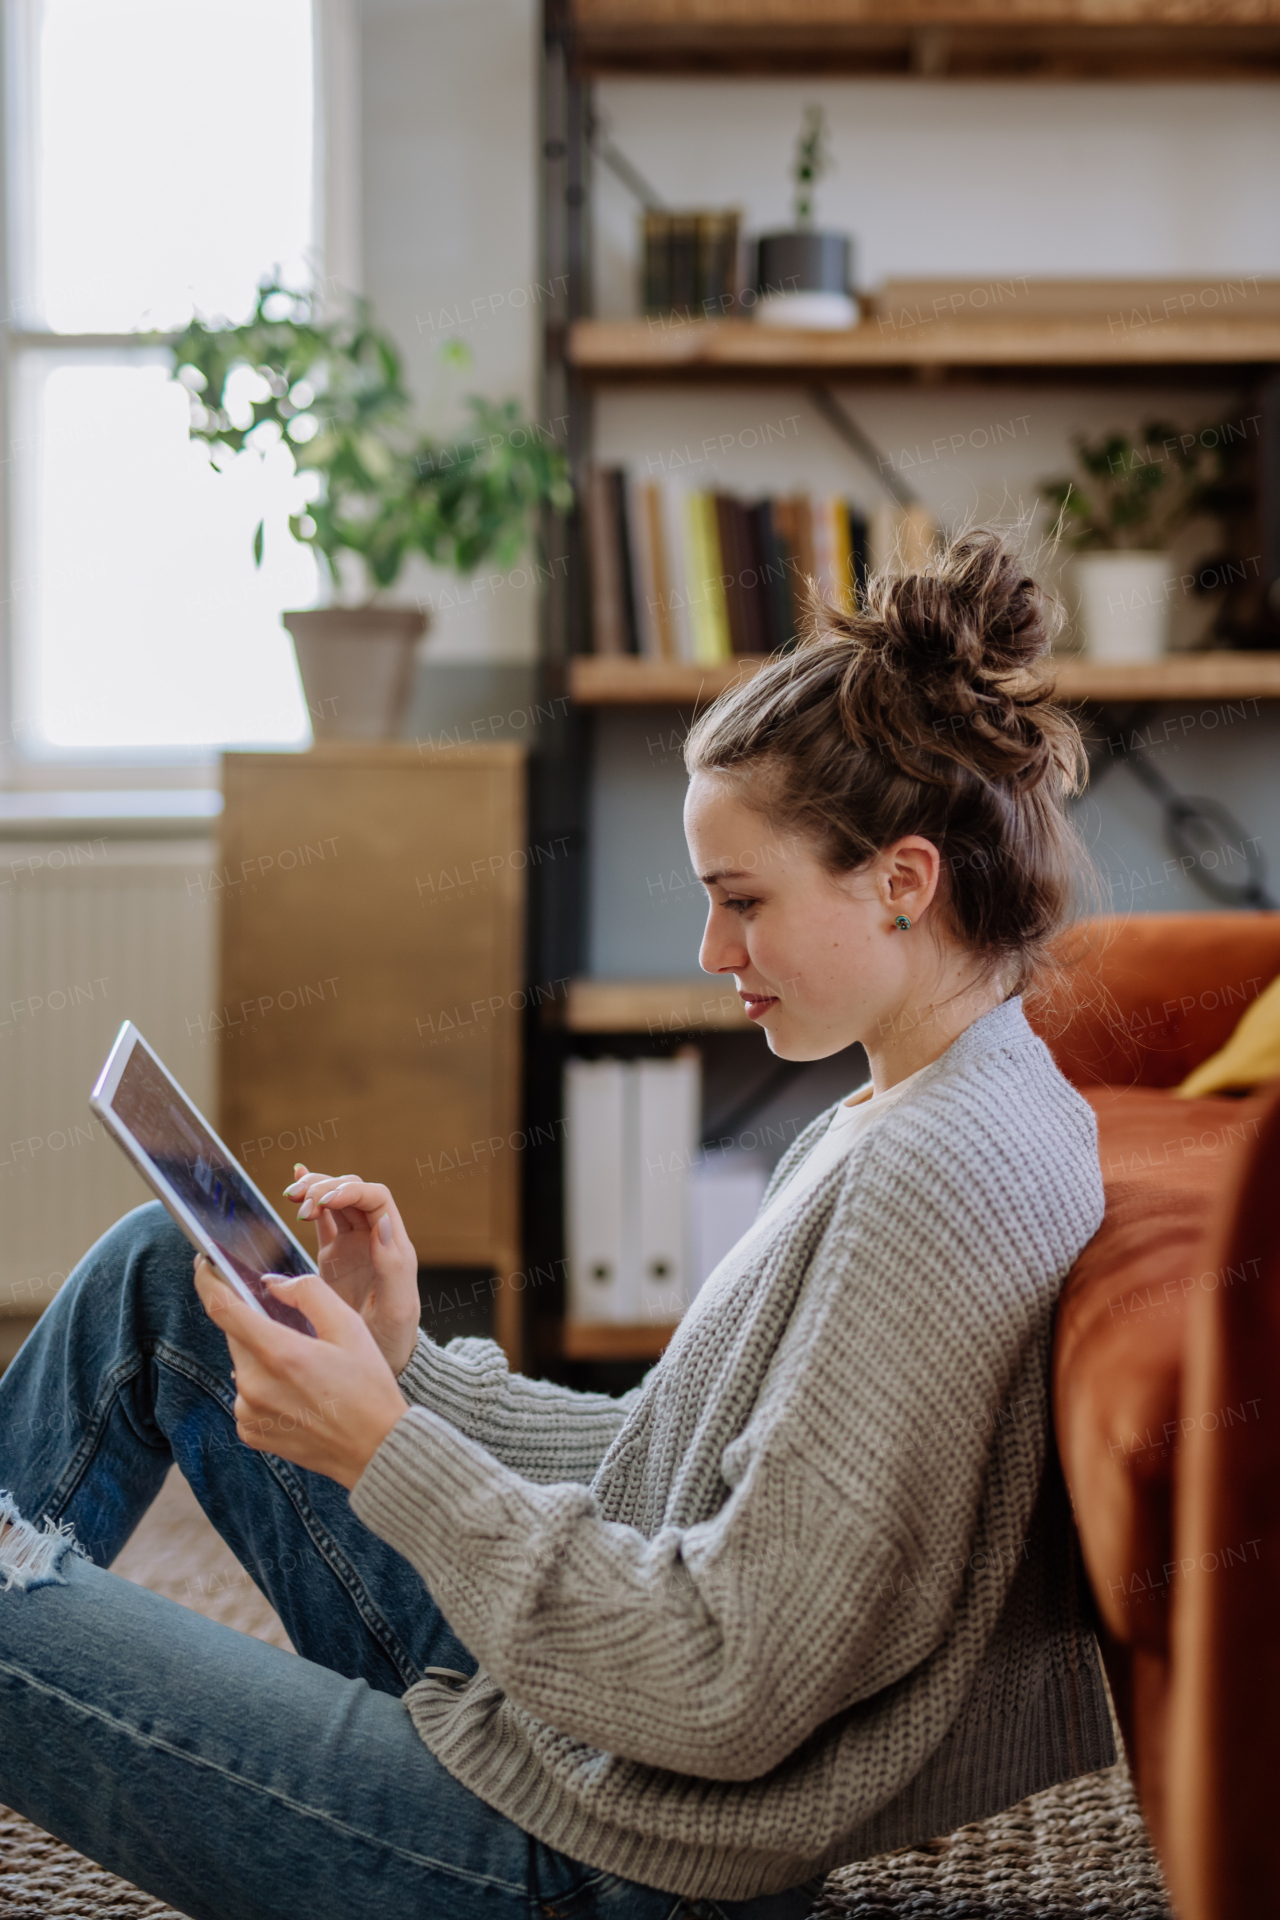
[927, 711]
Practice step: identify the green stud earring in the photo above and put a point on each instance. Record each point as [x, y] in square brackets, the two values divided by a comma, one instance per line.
[902, 923]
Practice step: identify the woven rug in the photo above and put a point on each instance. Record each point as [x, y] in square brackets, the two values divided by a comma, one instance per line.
[1078, 1852]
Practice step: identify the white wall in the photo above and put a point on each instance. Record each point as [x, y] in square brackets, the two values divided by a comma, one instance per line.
[959, 178]
[450, 231]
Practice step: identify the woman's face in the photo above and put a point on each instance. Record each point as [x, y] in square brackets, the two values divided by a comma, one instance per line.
[816, 956]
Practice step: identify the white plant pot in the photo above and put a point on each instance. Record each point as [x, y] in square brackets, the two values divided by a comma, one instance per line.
[356, 666]
[1124, 604]
[815, 312]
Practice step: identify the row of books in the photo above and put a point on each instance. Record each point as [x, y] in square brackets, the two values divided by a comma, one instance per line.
[648, 1215]
[690, 263]
[680, 574]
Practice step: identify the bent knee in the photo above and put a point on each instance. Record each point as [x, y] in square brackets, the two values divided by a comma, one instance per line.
[145, 1254]
[148, 1233]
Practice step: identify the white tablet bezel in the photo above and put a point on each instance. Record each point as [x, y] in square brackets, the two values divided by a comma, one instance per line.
[100, 1103]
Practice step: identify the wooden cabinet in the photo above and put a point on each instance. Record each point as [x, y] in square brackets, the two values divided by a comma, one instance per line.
[372, 975]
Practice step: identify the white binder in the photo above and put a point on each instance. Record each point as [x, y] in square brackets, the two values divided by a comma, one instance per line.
[725, 1194]
[668, 1105]
[597, 1140]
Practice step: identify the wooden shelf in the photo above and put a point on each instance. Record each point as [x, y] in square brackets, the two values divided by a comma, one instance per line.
[1187, 676]
[619, 680]
[611, 1342]
[931, 39]
[654, 1006]
[623, 680]
[1035, 346]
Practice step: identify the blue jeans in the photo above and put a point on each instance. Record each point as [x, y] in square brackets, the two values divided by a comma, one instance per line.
[228, 1777]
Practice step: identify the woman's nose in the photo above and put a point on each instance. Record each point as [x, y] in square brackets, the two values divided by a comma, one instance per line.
[722, 949]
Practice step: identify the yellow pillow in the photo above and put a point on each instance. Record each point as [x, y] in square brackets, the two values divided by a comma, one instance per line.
[1251, 1055]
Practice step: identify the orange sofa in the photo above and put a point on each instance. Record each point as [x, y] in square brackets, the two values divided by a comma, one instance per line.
[1166, 1369]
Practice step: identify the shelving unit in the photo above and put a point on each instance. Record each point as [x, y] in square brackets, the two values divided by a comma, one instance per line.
[967, 39]
[1054, 333]
[622, 680]
[645, 1342]
[654, 1006]
[879, 347]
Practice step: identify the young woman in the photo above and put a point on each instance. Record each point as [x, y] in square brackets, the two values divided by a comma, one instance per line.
[801, 1596]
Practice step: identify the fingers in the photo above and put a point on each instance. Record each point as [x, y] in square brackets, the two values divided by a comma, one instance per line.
[318, 1192]
[312, 1295]
[248, 1331]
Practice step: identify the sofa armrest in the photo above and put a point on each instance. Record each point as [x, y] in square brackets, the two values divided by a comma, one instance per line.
[1142, 1000]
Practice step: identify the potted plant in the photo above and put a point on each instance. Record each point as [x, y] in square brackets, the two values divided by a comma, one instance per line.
[332, 389]
[1119, 519]
[804, 276]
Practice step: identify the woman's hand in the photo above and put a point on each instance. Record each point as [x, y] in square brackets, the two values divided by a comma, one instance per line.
[326, 1404]
[365, 1255]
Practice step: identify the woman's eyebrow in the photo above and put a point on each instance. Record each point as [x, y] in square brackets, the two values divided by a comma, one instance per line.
[719, 875]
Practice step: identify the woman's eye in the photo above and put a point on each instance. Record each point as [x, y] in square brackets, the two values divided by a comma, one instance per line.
[739, 906]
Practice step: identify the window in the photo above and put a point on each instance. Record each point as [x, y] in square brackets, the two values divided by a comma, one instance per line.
[161, 160]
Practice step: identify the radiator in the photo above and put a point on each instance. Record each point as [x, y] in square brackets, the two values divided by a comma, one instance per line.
[92, 932]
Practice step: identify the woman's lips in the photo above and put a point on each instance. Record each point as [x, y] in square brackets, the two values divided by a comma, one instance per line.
[757, 1004]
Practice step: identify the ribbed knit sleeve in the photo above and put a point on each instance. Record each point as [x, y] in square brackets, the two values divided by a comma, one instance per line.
[862, 1533]
[545, 1432]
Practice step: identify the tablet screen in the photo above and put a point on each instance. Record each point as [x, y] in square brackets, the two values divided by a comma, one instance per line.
[175, 1139]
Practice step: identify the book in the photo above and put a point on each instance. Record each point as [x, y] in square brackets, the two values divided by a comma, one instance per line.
[859, 559]
[626, 573]
[608, 624]
[755, 587]
[672, 501]
[734, 568]
[777, 564]
[644, 585]
[660, 612]
[684, 262]
[597, 1140]
[802, 525]
[689, 263]
[709, 619]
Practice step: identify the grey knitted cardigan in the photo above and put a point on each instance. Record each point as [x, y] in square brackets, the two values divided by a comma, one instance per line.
[804, 1595]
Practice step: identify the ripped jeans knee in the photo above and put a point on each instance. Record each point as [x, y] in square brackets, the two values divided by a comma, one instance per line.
[32, 1556]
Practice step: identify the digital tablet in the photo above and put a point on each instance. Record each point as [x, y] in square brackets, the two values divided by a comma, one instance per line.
[186, 1166]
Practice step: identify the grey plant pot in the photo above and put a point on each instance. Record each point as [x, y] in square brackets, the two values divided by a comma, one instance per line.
[356, 665]
[802, 261]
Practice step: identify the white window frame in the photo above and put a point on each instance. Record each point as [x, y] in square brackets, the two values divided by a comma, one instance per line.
[336, 244]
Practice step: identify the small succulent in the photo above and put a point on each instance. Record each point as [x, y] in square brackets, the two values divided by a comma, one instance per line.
[813, 159]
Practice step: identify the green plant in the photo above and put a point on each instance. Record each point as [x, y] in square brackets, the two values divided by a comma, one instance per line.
[333, 391]
[1139, 494]
[813, 159]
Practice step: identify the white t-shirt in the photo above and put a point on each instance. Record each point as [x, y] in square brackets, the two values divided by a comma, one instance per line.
[848, 1123]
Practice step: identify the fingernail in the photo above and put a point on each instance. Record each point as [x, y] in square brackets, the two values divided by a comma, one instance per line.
[384, 1229]
[307, 1208]
[298, 1167]
[291, 1190]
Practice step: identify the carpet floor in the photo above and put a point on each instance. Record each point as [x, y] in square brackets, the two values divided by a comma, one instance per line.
[1077, 1852]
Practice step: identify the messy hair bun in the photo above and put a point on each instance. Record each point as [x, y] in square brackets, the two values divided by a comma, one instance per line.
[928, 711]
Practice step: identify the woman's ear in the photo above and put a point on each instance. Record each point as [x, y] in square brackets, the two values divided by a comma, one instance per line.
[910, 871]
